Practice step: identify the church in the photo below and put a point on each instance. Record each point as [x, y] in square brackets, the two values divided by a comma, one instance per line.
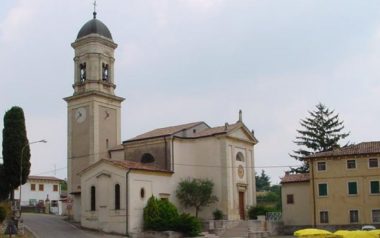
[110, 180]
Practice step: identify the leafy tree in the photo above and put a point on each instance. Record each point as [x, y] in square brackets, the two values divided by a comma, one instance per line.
[196, 193]
[321, 131]
[4, 186]
[262, 182]
[14, 146]
[63, 185]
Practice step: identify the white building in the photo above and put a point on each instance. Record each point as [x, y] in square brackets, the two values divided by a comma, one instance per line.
[39, 188]
[110, 181]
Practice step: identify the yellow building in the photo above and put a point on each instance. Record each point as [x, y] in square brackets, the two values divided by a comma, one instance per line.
[344, 188]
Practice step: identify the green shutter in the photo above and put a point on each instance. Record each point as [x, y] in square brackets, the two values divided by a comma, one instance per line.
[375, 188]
[322, 187]
[352, 188]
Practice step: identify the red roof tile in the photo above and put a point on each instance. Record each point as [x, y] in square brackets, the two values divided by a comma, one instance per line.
[363, 148]
[295, 178]
[126, 164]
[164, 131]
[33, 177]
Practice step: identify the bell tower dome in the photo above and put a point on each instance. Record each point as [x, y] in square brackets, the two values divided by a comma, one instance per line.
[94, 58]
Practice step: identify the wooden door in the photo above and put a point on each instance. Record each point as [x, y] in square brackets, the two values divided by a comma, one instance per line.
[241, 206]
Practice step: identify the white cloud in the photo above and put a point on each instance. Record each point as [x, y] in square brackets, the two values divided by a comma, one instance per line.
[18, 19]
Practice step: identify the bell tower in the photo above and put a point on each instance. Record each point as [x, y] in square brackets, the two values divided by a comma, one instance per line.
[93, 110]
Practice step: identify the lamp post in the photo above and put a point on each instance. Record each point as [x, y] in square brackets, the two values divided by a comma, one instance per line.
[22, 154]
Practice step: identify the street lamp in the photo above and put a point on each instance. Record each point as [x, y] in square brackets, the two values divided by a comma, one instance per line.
[22, 153]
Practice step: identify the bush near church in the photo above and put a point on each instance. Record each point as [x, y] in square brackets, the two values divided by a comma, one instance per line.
[253, 212]
[162, 215]
[217, 214]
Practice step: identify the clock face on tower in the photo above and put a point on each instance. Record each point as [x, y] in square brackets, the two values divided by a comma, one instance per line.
[80, 114]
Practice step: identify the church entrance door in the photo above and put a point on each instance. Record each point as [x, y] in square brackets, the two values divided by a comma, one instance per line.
[241, 205]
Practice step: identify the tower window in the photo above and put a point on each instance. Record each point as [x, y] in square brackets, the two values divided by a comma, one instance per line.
[82, 68]
[147, 158]
[105, 72]
[117, 197]
[93, 201]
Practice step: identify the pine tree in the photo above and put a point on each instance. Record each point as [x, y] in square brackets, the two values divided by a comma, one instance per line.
[262, 182]
[321, 132]
[15, 144]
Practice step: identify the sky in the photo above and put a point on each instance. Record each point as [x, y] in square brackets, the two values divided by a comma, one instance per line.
[181, 61]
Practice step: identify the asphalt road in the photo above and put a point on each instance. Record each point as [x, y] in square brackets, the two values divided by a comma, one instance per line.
[47, 226]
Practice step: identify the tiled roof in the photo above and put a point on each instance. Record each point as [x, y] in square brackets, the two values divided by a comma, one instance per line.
[117, 147]
[32, 177]
[126, 164]
[165, 131]
[295, 178]
[363, 148]
[215, 130]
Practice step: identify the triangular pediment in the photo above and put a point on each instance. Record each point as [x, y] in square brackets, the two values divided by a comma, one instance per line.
[242, 133]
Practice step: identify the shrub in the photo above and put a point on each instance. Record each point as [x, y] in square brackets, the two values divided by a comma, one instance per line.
[189, 225]
[168, 215]
[162, 215]
[253, 212]
[3, 214]
[218, 214]
[151, 214]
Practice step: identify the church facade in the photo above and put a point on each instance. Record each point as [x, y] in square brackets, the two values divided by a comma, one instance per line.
[110, 181]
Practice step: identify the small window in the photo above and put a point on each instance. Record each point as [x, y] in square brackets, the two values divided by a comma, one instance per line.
[142, 193]
[375, 187]
[32, 187]
[321, 166]
[147, 158]
[40, 187]
[376, 216]
[352, 188]
[324, 217]
[290, 199]
[55, 187]
[240, 157]
[373, 163]
[322, 189]
[354, 216]
[93, 198]
[117, 197]
[351, 164]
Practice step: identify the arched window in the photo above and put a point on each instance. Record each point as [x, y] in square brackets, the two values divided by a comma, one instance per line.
[82, 72]
[117, 197]
[240, 157]
[93, 201]
[147, 158]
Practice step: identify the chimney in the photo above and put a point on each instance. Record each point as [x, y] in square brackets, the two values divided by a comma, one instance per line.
[240, 116]
[226, 126]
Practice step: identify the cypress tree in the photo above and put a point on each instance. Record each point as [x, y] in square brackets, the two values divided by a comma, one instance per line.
[15, 145]
[321, 131]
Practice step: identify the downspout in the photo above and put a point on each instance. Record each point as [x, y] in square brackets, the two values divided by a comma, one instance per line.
[166, 153]
[313, 195]
[172, 155]
[127, 203]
